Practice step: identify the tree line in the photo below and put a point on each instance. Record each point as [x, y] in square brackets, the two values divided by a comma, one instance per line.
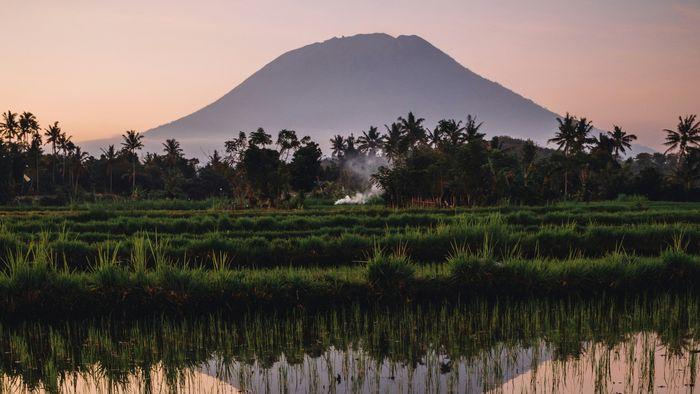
[452, 163]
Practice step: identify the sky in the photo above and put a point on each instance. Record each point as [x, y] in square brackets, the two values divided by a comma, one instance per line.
[103, 67]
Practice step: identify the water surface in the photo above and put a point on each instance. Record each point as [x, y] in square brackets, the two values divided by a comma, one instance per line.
[622, 345]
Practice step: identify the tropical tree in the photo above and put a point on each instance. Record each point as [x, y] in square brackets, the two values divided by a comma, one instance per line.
[434, 137]
[28, 126]
[529, 154]
[305, 167]
[260, 138]
[393, 141]
[109, 155]
[450, 132]
[350, 148]
[53, 136]
[370, 142]
[36, 151]
[471, 130]
[77, 160]
[173, 151]
[9, 125]
[337, 146]
[566, 140]
[288, 142]
[235, 148]
[132, 143]
[412, 129]
[621, 140]
[582, 135]
[65, 143]
[684, 137]
[565, 137]
[688, 172]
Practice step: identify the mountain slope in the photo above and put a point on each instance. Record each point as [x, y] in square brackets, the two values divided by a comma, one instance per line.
[343, 85]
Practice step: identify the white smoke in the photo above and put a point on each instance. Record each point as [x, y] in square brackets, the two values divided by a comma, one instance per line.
[360, 197]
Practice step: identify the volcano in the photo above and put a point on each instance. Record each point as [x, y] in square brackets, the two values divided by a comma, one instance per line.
[344, 85]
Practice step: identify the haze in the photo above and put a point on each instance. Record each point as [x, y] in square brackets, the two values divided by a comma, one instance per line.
[101, 68]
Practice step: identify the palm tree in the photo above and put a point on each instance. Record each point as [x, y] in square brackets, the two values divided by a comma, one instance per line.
[605, 143]
[413, 130]
[110, 156]
[337, 146]
[393, 141]
[686, 136]
[77, 159]
[28, 125]
[370, 142]
[471, 130]
[172, 150]
[350, 149]
[434, 137]
[451, 131]
[132, 142]
[64, 143]
[688, 170]
[9, 125]
[565, 137]
[581, 135]
[35, 147]
[621, 141]
[53, 136]
[566, 140]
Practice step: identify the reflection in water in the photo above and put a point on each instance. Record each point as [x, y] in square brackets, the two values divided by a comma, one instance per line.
[593, 346]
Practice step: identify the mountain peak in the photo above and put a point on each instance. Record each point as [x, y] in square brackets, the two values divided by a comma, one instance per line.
[346, 84]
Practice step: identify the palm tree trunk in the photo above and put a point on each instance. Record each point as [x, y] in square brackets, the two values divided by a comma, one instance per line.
[133, 177]
[37, 172]
[77, 178]
[53, 167]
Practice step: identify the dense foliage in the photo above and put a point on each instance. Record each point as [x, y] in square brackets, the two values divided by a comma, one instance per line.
[452, 164]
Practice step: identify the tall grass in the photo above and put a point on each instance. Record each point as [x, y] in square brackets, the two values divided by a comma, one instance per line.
[32, 286]
[390, 274]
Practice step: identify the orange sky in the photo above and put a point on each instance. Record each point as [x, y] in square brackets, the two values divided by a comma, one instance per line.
[102, 67]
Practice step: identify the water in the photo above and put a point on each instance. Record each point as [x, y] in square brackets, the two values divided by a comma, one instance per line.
[630, 345]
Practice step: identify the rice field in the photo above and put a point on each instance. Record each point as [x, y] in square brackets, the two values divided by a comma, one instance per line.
[176, 296]
[334, 237]
[181, 257]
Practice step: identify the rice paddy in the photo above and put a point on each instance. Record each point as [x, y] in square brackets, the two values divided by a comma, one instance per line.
[179, 296]
[602, 345]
